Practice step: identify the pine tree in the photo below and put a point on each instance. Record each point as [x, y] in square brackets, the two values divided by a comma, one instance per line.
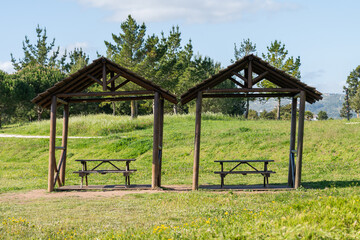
[277, 56]
[42, 53]
[246, 48]
[128, 49]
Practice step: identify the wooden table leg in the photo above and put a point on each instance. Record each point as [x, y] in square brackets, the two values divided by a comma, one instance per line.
[86, 178]
[222, 180]
[265, 175]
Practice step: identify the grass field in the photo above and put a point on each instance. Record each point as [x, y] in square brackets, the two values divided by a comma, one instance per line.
[327, 206]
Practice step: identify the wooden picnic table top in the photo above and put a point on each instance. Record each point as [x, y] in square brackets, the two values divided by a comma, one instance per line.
[244, 161]
[105, 160]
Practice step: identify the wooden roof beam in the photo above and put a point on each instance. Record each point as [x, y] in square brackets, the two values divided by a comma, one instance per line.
[96, 94]
[260, 77]
[236, 82]
[254, 90]
[113, 78]
[240, 76]
[246, 95]
[98, 81]
[115, 99]
[62, 101]
[121, 84]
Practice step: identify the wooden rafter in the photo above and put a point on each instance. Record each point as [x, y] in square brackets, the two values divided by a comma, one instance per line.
[121, 84]
[260, 77]
[95, 79]
[240, 76]
[236, 82]
[113, 78]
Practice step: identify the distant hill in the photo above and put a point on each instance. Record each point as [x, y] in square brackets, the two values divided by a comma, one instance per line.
[331, 104]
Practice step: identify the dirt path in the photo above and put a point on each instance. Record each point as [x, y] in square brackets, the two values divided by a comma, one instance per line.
[2, 135]
[41, 194]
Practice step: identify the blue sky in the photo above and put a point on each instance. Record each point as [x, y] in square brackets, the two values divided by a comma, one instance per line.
[325, 34]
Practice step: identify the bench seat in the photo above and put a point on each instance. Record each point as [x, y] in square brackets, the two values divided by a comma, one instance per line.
[244, 172]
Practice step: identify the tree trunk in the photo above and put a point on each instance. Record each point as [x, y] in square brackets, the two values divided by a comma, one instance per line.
[278, 109]
[0, 122]
[39, 111]
[133, 109]
[357, 114]
[113, 107]
[175, 109]
[247, 108]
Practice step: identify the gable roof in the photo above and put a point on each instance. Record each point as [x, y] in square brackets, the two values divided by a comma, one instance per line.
[260, 67]
[87, 76]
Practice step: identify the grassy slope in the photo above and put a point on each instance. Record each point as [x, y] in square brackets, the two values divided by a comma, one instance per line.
[330, 173]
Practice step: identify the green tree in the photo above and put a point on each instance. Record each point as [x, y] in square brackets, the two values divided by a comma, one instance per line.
[309, 115]
[78, 60]
[5, 97]
[322, 115]
[174, 64]
[253, 114]
[128, 49]
[277, 56]
[355, 102]
[246, 48]
[42, 53]
[267, 115]
[352, 84]
[27, 83]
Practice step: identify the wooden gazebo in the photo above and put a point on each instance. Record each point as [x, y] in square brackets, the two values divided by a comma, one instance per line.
[246, 73]
[111, 77]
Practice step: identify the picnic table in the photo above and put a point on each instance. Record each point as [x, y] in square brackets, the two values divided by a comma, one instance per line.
[85, 172]
[266, 173]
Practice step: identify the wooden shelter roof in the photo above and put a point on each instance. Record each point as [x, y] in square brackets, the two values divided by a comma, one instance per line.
[264, 70]
[87, 76]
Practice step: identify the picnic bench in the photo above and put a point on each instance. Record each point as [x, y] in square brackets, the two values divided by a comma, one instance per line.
[266, 173]
[85, 172]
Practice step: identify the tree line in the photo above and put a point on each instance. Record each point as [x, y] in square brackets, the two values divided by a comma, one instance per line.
[163, 59]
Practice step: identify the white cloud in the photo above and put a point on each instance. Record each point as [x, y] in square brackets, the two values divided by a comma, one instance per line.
[7, 67]
[83, 45]
[191, 11]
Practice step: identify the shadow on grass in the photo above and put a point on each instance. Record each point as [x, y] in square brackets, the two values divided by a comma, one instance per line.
[327, 184]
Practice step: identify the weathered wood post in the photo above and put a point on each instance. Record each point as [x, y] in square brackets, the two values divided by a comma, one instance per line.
[292, 138]
[52, 163]
[156, 138]
[300, 139]
[161, 135]
[64, 142]
[195, 185]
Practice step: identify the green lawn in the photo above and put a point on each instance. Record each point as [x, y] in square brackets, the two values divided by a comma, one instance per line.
[327, 206]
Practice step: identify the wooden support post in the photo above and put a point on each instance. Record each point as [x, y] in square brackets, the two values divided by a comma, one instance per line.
[112, 82]
[52, 164]
[195, 185]
[64, 143]
[300, 139]
[104, 81]
[249, 74]
[161, 135]
[156, 138]
[292, 138]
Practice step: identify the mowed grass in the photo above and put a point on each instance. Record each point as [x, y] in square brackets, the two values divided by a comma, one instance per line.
[327, 206]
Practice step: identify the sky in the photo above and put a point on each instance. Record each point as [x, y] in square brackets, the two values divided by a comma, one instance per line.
[324, 33]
